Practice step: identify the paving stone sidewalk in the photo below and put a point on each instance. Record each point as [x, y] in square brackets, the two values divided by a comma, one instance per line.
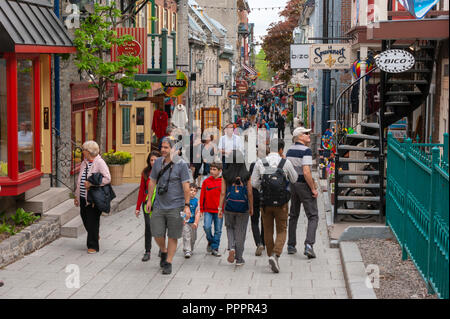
[118, 272]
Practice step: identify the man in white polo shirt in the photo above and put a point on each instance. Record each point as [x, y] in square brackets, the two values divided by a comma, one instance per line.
[303, 192]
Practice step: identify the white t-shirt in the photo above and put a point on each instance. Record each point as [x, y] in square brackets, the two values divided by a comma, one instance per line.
[231, 143]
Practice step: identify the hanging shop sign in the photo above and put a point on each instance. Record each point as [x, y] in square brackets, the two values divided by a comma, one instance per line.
[233, 95]
[330, 56]
[290, 89]
[177, 87]
[418, 8]
[241, 86]
[395, 61]
[300, 96]
[300, 56]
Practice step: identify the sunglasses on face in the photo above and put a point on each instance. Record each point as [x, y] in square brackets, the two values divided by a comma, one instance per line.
[307, 133]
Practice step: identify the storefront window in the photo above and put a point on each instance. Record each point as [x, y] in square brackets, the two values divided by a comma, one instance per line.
[25, 112]
[3, 121]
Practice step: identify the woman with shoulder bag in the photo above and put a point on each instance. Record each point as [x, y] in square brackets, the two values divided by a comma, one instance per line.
[237, 196]
[90, 214]
[142, 201]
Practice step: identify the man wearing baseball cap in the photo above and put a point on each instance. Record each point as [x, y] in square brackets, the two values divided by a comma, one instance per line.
[303, 192]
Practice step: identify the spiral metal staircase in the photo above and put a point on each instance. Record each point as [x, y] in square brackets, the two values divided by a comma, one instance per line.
[361, 156]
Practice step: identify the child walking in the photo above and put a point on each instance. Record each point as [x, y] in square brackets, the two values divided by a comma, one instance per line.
[190, 227]
[209, 203]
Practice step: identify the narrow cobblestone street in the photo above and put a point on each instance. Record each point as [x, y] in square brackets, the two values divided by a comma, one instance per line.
[118, 272]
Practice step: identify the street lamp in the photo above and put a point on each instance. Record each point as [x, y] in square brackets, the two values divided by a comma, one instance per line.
[200, 64]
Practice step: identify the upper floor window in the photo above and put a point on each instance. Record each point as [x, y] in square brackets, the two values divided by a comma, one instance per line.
[174, 21]
[141, 18]
[158, 18]
[166, 19]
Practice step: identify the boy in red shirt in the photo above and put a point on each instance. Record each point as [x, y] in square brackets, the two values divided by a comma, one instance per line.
[209, 204]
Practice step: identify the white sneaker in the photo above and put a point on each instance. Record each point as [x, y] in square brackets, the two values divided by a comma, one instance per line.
[187, 254]
[273, 262]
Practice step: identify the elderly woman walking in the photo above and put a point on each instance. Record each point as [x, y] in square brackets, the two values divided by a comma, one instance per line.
[90, 214]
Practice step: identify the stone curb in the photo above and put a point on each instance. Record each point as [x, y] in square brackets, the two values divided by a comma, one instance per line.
[29, 239]
[354, 233]
[355, 272]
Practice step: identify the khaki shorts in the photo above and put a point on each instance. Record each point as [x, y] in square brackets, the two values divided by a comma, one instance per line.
[167, 220]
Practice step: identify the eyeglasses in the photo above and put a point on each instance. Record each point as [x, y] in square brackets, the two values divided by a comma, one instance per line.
[306, 133]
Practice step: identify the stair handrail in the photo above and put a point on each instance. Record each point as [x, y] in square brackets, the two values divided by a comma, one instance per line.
[59, 135]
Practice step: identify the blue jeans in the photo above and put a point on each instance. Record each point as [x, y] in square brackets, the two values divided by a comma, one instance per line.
[214, 240]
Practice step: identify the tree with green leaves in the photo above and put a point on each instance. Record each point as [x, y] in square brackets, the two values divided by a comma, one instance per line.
[262, 66]
[94, 40]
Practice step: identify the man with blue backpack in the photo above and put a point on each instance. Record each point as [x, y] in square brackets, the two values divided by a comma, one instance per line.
[271, 176]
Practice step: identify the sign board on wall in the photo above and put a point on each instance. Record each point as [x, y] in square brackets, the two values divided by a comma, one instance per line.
[399, 129]
[215, 91]
[137, 47]
[330, 56]
[300, 56]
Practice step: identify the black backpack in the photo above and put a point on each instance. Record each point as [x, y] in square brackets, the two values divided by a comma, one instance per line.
[274, 186]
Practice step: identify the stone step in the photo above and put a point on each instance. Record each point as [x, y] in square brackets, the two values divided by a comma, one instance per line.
[363, 137]
[359, 198]
[370, 125]
[362, 173]
[357, 148]
[65, 212]
[354, 160]
[45, 201]
[45, 186]
[403, 93]
[342, 211]
[74, 228]
[356, 185]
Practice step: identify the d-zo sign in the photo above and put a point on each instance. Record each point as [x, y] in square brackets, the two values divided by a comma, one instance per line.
[395, 61]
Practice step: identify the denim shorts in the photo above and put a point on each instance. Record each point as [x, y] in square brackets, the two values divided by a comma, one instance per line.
[167, 220]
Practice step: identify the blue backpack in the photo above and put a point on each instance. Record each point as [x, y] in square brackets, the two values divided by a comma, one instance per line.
[237, 198]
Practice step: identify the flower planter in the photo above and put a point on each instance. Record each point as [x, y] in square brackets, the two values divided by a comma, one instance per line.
[116, 174]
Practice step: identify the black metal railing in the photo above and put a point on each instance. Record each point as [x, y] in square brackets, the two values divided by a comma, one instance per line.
[67, 154]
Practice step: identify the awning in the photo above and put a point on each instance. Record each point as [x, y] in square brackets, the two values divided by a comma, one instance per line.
[249, 69]
[30, 26]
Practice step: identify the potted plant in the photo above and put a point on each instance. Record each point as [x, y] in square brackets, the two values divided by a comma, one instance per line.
[116, 162]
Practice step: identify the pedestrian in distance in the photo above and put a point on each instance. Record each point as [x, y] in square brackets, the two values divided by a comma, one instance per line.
[228, 143]
[271, 176]
[143, 196]
[304, 192]
[190, 227]
[237, 199]
[170, 176]
[90, 213]
[209, 204]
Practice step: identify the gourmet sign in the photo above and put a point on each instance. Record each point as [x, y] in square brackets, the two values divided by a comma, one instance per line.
[329, 56]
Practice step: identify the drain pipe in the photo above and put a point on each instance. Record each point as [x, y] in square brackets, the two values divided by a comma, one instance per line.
[56, 64]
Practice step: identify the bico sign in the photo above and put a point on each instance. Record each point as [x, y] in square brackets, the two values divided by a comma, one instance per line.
[395, 61]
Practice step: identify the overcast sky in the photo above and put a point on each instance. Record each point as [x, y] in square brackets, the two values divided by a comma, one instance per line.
[263, 18]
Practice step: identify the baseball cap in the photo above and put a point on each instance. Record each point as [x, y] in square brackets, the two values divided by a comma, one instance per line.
[300, 131]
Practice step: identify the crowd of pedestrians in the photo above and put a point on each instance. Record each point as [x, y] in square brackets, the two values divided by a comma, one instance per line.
[216, 185]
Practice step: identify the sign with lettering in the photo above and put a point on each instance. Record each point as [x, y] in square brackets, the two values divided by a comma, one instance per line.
[241, 86]
[233, 95]
[177, 87]
[330, 56]
[129, 48]
[137, 47]
[300, 56]
[395, 61]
